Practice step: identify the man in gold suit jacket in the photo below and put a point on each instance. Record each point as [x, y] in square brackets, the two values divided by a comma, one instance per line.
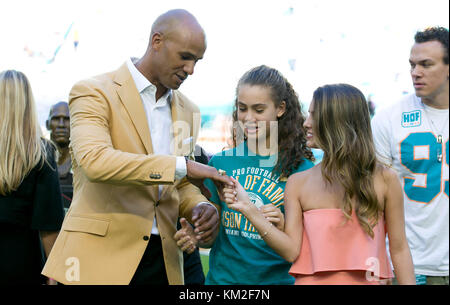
[131, 130]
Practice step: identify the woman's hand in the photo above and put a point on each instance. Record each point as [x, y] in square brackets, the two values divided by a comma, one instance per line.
[274, 215]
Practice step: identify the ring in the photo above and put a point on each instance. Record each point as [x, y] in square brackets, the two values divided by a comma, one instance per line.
[222, 172]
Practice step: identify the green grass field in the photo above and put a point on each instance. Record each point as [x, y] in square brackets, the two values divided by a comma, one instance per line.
[205, 263]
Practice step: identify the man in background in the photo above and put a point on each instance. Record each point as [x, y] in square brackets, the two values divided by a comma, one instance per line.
[58, 123]
[412, 137]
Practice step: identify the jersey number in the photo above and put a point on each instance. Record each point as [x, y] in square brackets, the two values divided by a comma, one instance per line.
[430, 167]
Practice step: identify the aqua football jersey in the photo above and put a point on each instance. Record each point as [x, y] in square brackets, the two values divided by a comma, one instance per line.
[239, 254]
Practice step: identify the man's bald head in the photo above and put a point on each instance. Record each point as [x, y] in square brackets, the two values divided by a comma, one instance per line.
[176, 44]
[175, 21]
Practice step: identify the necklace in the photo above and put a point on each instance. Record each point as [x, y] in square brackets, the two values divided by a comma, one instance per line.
[435, 130]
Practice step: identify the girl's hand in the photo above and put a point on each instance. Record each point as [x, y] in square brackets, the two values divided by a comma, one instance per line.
[274, 215]
[185, 237]
[237, 198]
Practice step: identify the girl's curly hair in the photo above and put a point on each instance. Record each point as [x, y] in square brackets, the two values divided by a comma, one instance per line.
[291, 133]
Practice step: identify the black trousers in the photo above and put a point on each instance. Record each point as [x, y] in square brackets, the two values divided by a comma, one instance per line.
[151, 269]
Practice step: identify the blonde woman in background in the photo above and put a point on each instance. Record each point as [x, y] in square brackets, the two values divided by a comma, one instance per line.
[31, 210]
[338, 212]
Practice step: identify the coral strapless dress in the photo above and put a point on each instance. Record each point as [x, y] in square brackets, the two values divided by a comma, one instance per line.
[335, 252]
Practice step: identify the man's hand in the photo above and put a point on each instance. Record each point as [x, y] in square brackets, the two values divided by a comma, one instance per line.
[185, 237]
[197, 172]
[206, 222]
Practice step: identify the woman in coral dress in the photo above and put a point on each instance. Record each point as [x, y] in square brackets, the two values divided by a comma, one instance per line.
[338, 212]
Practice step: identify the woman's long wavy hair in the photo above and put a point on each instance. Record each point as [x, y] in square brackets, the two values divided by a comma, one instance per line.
[291, 133]
[341, 127]
[21, 147]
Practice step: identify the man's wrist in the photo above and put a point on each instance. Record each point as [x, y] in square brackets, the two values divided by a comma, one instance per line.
[206, 202]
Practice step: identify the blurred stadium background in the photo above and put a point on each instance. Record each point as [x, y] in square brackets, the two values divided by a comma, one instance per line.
[361, 42]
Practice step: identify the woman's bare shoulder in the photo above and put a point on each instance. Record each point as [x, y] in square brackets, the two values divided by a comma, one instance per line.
[303, 175]
[298, 181]
[386, 180]
[387, 173]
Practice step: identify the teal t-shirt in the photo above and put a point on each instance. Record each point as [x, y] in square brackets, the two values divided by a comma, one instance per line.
[239, 255]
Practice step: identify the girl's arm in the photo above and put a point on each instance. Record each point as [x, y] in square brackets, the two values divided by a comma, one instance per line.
[287, 243]
[395, 223]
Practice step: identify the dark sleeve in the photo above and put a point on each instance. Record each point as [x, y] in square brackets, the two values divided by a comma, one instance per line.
[48, 211]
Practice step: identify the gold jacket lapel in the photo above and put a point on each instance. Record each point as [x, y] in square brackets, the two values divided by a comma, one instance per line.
[132, 101]
[182, 125]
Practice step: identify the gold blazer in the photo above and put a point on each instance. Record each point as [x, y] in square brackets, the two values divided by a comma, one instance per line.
[116, 178]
